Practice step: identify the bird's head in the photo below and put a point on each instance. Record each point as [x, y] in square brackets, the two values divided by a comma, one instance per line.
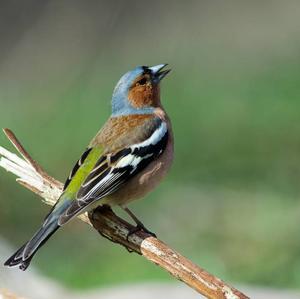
[138, 90]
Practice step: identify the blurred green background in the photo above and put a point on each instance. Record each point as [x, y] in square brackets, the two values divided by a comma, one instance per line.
[231, 202]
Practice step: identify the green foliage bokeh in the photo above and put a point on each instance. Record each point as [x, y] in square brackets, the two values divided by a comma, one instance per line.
[231, 201]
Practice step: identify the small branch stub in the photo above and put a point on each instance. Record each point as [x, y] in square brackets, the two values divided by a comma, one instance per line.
[30, 175]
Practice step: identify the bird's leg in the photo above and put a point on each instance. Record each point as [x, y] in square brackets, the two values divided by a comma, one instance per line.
[139, 224]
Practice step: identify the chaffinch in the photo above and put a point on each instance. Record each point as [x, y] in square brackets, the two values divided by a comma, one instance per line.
[126, 159]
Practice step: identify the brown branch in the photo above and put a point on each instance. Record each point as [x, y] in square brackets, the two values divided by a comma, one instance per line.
[109, 225]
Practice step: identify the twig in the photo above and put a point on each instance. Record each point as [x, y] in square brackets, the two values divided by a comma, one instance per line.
[14, 140]
[34, 178]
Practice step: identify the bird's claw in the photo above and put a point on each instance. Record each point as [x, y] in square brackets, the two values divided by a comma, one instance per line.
[138, 228]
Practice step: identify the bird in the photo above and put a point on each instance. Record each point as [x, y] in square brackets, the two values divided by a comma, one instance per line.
[127, 158]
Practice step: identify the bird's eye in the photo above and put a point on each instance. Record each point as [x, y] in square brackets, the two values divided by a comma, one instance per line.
[143, 81]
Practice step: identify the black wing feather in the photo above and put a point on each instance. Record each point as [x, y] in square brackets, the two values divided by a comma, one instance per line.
[76, 167]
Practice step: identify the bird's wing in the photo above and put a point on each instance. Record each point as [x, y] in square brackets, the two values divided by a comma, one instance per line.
[113, 169]
[76, 167]
[77, 176]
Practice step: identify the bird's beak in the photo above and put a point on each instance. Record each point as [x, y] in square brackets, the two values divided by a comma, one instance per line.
[158, 72]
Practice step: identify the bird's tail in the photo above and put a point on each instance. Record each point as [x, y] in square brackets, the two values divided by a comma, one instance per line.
[24, 255]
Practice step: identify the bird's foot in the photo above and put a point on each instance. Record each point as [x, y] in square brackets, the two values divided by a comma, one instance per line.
[139, 225]
[137, 228]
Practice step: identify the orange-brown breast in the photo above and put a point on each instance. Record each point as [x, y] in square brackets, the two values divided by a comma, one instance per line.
[146, 180]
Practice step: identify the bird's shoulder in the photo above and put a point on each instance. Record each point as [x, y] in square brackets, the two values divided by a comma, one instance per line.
[121, 131]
